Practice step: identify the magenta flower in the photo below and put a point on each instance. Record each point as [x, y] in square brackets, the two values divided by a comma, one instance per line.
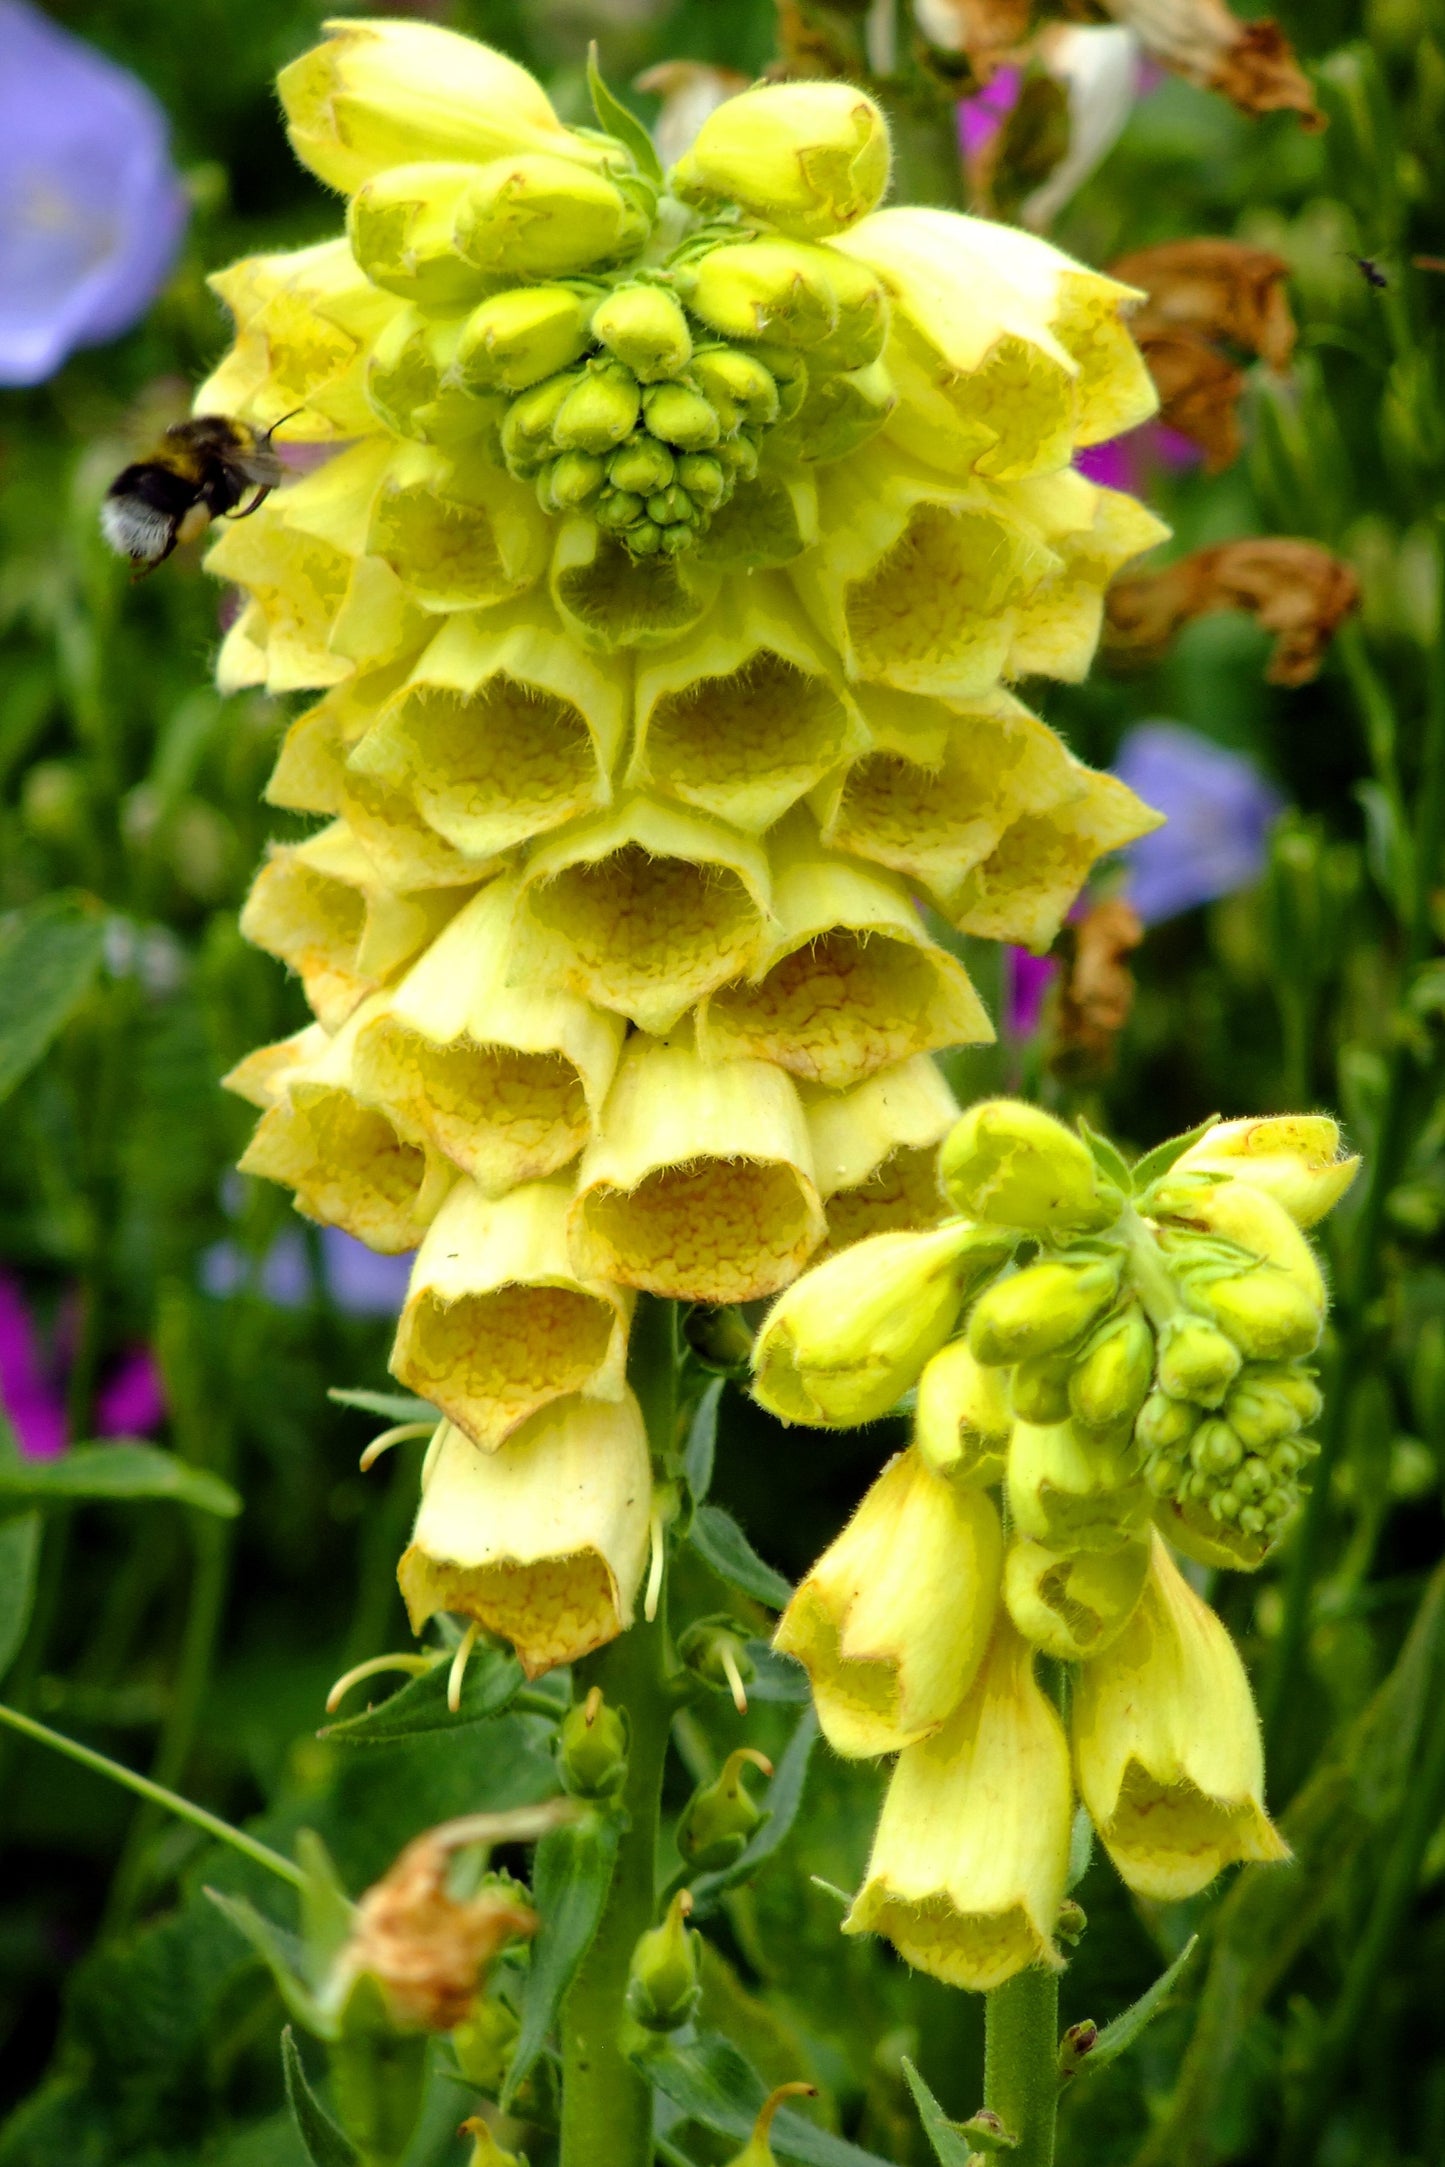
[1219, 809]
[91, 208]
[33, 1372]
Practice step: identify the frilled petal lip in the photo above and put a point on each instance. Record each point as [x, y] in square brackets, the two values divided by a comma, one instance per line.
[91, 209]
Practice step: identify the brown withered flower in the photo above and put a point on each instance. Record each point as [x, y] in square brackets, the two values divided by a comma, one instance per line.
[1223, 290]
[1199, 391]
[1251, 64]
[990, 32]
[1095, 988]
[1295, 589]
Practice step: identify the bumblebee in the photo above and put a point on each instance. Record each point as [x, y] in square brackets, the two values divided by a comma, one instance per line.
[199, 471]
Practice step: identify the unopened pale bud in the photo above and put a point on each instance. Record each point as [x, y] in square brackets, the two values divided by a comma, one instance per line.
[681, 417]
[849, 1337]
[1268, 1315]
[599, 411]
[1268, 1404]
[1295, 1158]
[789, 372]
[663, 1985]
[720, 1817]
[617, 509]
[892, 1621]
[400, 226]
[1040, 1309]
[1167, 1747]
[1165, 1424]
[1215, 1449]
[1110, 1381]
[592, 1743]
[1072, 1605]
[575, 479]
[810, 158]
[1187, 1206]
[644, 326]
[1039, 1388]
[1011, 1164]
[1071, 1494]
[963, 1418]
[542, 216]
[774, 290]
[739, 388]
[513, 340]
[1196, 1360]
[527, 426]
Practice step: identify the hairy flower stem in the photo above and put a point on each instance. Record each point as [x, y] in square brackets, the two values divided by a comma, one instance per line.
[606, 2104]
[1021, 2062]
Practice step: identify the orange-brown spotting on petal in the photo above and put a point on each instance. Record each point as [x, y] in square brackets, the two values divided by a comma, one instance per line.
[1294, 589]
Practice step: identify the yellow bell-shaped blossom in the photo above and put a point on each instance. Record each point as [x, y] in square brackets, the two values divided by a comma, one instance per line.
[892, 1622]
[1072, 1492]
[972, 1848]
[1073, 1605]
[1295, 1158]
[874, 1151]
[543, 1542]
[1167, 1746]
[963, 1418]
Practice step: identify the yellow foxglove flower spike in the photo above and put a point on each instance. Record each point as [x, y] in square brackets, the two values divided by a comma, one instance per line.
[972, 1847]
[496, 1322]
[844, 1344]
[1167, 1747]
[875, 1151]
[544, 1542]
[892, 1622]
[700, 1185]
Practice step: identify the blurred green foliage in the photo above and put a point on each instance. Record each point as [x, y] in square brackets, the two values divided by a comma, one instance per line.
[134, 2025]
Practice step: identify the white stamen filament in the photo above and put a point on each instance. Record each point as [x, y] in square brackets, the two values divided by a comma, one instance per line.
[728, 1658]
[415, 1666]
[401, 1435]
[458, 1670]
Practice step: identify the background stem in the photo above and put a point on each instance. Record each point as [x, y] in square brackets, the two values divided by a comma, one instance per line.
[1021, 2062]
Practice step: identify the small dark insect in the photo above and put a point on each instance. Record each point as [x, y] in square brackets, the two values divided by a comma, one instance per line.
[199, 471]
[1369, 270]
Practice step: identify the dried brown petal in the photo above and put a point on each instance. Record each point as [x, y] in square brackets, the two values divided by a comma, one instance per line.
[989, 31]
[1219, 289]
[428, 1950]
[1198, 392]
[1251, 64]
[1095, 988]
[1293, 588]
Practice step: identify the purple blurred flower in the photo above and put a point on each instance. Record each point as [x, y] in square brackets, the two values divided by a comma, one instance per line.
[1130, 462]
[981, 116]
[1220, 810]
[357, 1280]
[1027, 979]
[130, 1400]
[91, 209]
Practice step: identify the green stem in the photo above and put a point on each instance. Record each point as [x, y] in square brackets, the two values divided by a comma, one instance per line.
[1021, 2063]
[157, 1794]
[606, 2102]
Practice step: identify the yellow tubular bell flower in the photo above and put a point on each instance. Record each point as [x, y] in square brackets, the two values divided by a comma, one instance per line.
[875, 1148]
[849, 983]
[892, 1622]
[849, 1339]
[543, 1542]
[972, 1847]
[1072, 1606]
[346, 1161]
[963, 1417]
[496, 1322]
[1022, 891]
[700, 1185]
[1295, 1158]
[305, 322]
[508, 1081]
[1071, 1494]
[1094, 533]
[1167, 1747]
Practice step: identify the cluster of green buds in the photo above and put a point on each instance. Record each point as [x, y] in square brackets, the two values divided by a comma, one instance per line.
[628, 345]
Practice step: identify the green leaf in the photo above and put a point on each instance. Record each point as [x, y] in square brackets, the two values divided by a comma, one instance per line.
[709, 2080]
[328, 1916]
[1116, 2038]
[391, 1406]
[48, 957]
[326, 2145]
[616, 119]
[950, 2145]
[19, 1556]
[1109, 1160]
[701, 1448]
[1158, 1161]
[116, 1472]
[571, 1876]
[492, 1677]
[721, 1543]
[785, 1796]
[776, 1677]
[283, 1955]
[1081, 1848]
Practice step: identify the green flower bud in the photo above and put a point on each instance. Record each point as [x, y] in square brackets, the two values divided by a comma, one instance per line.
[1011, 1164]
[644, 539]
[713, 1649]
[671, 507]
[1215, 1450]
[720, 1818]
[663, 1988]
[1071, 1494]
[737, 386]
[592, 1742]
[771, 289]
[681, 417]
[484, 2043]
[674, 540]
[527, 425]
[1110, 1381]
[1041, 1308]
[962, 1420]
[1165, 1425]
[575, 478]
[599, 411]
[542, 216]
[400, 228]
[810, 158]
[515, 339]
[703, 479]
[1268, 1404]
[738, 458]
[841, 412]
[1072, 1606]
[1267, 1314]
[790, 375]
[1196, 1360]
[641, 466]
[646, 328]
[1039, 1389]
[616, 509]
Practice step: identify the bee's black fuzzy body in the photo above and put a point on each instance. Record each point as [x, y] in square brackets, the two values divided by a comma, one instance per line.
[199, 471]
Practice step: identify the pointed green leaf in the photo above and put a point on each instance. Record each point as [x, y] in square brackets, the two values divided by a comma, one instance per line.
[721, 1543]
[1116, 2038]
[391, 1406]
[1081, 1847]
[1158, 1161]
[1109, 1160]
[326, 2145]
[709, 2080]
[19, 1556]
[493, 1677]
[328, 1915]
[283, 1955]
[616, 119]
[950, 2145]
[49, 955]
[701, 1448]
[114, 1472]
[785, 1796]
[570, 1880]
